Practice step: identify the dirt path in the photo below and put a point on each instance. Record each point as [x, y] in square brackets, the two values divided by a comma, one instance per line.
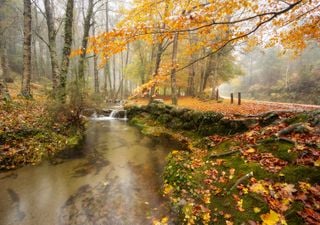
[247, 107]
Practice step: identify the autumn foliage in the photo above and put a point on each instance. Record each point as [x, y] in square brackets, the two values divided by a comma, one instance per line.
[215, 24]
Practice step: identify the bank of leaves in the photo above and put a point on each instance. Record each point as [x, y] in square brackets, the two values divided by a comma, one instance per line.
[268, 175]
[31, 130]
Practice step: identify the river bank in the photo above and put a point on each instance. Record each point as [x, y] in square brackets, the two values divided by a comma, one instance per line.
[36, 129]
[261, 169]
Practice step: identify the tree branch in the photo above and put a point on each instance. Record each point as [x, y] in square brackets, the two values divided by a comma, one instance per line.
[42, 39]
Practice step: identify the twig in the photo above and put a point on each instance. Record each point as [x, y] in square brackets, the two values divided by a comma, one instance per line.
[241, 179]
[287, 140]
[224, 153]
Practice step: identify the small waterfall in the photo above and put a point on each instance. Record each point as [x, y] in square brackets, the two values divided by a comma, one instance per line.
[118, 114]
[113, 113]
[94, 115]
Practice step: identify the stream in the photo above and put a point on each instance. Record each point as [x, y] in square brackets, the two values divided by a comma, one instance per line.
[114, 178]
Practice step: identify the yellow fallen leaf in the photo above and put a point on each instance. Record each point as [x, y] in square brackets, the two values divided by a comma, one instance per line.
[317, 163]
[164, 220]
[256, 210]
[258, 188]
[272, 218]
[251, 150]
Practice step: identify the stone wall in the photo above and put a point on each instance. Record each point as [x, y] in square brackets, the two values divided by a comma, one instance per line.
[203, 123]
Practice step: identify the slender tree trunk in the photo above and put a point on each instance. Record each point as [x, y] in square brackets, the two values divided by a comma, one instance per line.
[203, 71]
[207, 73]
[84, 45]
[38, 44]
[192, 73]
[4, 94]
[173, 70]
[107, 78]
[114, 75]
[68, 36]
[26, 76]
[52, 33]
[4, 61]
[215, 77]
[156, 69]
[95, 65]
[160, 50]
[35, 65]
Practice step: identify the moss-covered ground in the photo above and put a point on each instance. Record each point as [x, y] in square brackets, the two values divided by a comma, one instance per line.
[255, 177]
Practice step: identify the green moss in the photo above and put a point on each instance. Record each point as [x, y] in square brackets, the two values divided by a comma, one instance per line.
[299, 118]
[242, 167]
[292, 217]
[296, 173]
[279, 149]
[225, 146]
[74, 140]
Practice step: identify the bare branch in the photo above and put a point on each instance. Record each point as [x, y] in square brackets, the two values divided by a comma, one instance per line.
[39, 8]
[42, 39]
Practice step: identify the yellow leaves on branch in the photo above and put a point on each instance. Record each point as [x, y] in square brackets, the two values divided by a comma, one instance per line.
[162, 76]
[214, 23]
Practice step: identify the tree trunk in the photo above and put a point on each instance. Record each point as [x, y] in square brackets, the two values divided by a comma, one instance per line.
[84, 45]
[208, 71]
[66, 49]
[95, 64]
[203, 71]
[160, 50]
[215, 77]
[52, 33]
[114, 75]
[190, 88]
[4, 94]
[173, 70]
[26, 75]
[107, 78]
[35, 64]
[156, 69]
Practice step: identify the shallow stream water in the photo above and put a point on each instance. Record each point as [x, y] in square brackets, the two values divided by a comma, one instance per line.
[113, 179]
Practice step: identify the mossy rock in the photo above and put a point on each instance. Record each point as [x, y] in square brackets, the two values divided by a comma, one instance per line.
[211, 117]
[207, 130]
[188, 115]
[175, 123]
[196, 117]
[298, 118]
[132, 111]
[235, 126]
[269, 118]
[188, 126]
[164, 118]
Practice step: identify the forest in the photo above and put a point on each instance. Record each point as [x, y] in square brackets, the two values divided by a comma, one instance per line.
[160, 112]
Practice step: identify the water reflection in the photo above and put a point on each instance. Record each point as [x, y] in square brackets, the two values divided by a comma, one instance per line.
[115, 180]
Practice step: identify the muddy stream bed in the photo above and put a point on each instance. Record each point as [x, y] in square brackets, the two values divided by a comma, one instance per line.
[114, 178]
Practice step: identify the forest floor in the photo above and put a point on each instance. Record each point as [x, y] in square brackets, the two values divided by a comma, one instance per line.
[30, 130]
[247, 107]
[266, 175]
